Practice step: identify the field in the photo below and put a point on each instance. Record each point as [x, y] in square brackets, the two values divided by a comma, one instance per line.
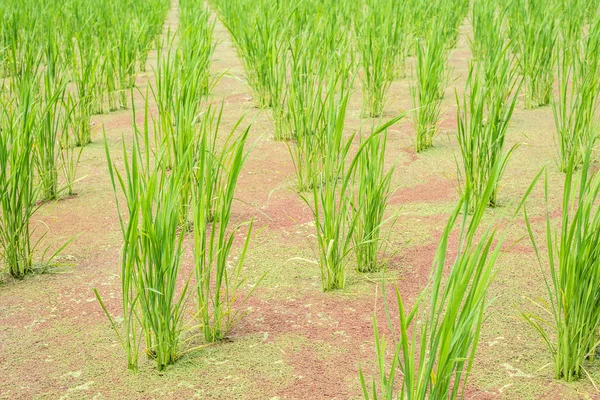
[232, 237]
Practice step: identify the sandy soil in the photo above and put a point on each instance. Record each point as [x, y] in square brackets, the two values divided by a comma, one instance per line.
[296, 342]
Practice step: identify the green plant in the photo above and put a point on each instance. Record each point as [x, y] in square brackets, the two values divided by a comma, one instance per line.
[373, 189]
[152, 253]
[487, 28]
[217, 160]
[165, 92]
[402, 38]
[85, 76]
[126, 55]
[572, 20]
[69, 153]
[217, 281]
[435, 349]
[487, 107]
[532, 30]
[575, 109]
[182, 81]
[54, 124]
[569, 325]
[376, 42]
[342, 218]
[259, 35]
[331, 201]
[197, 44]
[309, 96]
[439, 17]
[427, 88]
[18, 193]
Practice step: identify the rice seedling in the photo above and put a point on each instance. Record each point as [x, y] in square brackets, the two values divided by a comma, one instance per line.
[420, 12]
[337, 214]
[182, 140]
[258, 34]
[99, 91]
[182, 80]
[18, 193]
[281, 119]
[18, 49]
[148, 21]
[152, 253]
[85, 77]
[487, 28]
[441, 17]
[430, 83]
[571, 21]
[217, 160]
[575, 109]
[372, 191]
[532, 30]
[402, 39]
[197, 43]
[126, 50]
[111, 81]
[483, 117]
[165, 92]
[217, 280]
[337, 52]
[69, 157]
[376, 40]
[331, 200]
[451, 15]
[571, 313]
[53, 125]
[307, 100]
[438, 338]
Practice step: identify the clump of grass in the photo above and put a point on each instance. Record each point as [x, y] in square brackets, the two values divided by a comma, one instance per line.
[54, 124]
[153, 239]
[428, 88]
[217, 280]
[69, 156]
[402, 39]
[310, 93]
[182, 82]
[372, 191]
[376, 30]
[575, 109]
[331, 199]
[152, 253]
[571, 319]
[487, 24]
[435, 349]
[571, 21]
[197, 43]
[85, 79]
[126, 49]
[257, 30]
[343, 218]
[532, 30]
[18, 193]
[483, 118]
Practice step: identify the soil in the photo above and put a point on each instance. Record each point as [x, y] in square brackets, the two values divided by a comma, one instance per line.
[296, 342]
